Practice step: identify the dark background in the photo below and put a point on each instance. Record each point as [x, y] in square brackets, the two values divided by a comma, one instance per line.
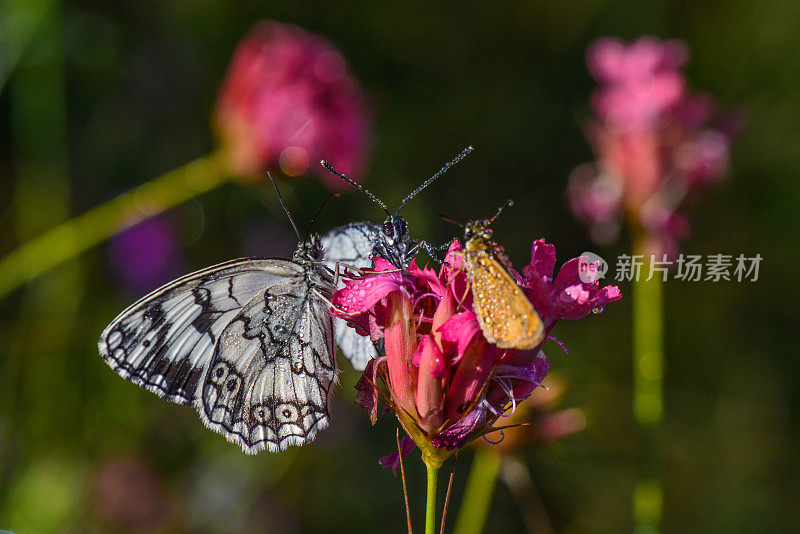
[104, 96]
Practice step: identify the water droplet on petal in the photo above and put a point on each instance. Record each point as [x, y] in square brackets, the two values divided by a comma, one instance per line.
[598, 310]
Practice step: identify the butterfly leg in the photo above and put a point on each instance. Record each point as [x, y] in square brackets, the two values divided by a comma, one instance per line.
[329, 303]
[341, 272]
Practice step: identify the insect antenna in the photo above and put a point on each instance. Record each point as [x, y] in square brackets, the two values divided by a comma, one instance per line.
[314, 218]
[344, 177]
[448, 219]
[430, 180]
[283, 205]
[499, 211]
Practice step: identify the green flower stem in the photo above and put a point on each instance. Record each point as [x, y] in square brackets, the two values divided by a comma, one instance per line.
[478, 494]
[648, 389]
[79, 234]
[430, 506]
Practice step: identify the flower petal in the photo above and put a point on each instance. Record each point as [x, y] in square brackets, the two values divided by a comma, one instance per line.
[460, 329]
[470, 378]
[456, 435]
[393, 459]
[361, 294]
[367, 394]
[430, 393]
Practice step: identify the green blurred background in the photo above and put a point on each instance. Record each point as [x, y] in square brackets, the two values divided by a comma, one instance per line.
[98, 97]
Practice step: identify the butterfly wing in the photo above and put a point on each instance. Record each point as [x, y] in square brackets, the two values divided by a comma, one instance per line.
[270, 377]
[506, 316]
[352, 245]
[165, 342]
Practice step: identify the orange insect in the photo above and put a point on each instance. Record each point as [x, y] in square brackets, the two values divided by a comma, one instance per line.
[506, 316]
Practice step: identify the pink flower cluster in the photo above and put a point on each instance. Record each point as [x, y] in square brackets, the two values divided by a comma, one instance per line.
[288, 100]
[656, 143]
[444, 381]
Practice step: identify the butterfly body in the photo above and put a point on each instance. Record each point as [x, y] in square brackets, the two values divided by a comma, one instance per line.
[249, 343]
[505, 315]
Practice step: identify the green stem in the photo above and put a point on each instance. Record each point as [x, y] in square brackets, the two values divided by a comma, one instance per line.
[430, 506]
[648, 389]
[478, 494]
[79, 234]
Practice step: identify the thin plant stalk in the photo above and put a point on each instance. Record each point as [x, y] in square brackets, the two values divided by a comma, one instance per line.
[477, 500]
[648, 388]
[430, 505]
[79, 234]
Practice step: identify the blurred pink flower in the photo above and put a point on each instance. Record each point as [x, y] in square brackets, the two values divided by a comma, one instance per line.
[444, 381]
[656, 144]
[288, 101]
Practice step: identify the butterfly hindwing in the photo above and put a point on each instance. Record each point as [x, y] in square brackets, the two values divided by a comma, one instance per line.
[270, 377]
[173, 342]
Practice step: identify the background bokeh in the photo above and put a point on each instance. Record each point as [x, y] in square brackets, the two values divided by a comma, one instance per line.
[98, 97]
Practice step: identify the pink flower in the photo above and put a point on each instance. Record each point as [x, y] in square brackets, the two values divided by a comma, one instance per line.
[443, 380]
[288, 100]
[656, 143]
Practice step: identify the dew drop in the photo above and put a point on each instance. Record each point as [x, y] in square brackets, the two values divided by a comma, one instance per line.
[598, 310]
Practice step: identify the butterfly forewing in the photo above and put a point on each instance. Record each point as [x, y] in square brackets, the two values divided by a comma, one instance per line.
[506, 316]
[177, 340]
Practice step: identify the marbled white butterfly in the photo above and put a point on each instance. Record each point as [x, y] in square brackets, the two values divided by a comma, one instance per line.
[248, 343]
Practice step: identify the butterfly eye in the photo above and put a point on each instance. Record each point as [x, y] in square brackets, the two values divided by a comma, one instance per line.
[388, 228]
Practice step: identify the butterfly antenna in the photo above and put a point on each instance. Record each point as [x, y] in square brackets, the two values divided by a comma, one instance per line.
[504, 206]
[448, 219]
[430, 180]
[344, 177]
[314, 218]
[283, 205]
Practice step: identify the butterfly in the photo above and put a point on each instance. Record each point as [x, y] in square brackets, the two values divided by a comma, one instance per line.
[248, 343]
[505, 315]
[357, 243]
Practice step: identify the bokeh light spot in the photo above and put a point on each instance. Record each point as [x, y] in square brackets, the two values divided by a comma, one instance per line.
[294, 160]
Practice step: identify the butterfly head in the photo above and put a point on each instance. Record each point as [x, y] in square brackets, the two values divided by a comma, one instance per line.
[395, 230]
[309, 250]
[393, 242]
[478, 230]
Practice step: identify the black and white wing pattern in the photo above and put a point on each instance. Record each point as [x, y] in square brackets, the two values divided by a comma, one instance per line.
[249, 343]
[352, 244]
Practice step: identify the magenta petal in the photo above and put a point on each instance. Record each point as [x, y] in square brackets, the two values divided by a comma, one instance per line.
[460, 329]
[393, 459]
[567, 276]
[543, 260]
[382, 264]
[456, 435]
[427, 279]
[367, 395]
[361, 294]
[427, 348]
